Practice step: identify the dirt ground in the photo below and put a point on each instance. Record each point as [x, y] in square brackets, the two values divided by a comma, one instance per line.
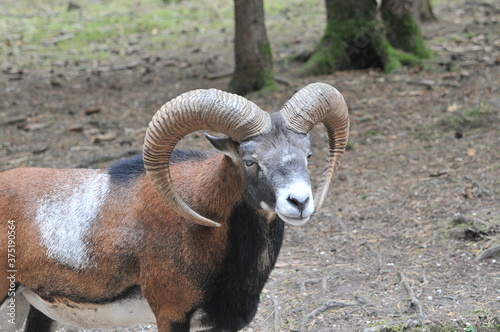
[416, 202]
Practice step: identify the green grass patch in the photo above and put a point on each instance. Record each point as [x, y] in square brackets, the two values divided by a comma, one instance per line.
[36, 33]
[349, 146]
[470, 118]
[371, 132]
[38, 27]
[277, 7]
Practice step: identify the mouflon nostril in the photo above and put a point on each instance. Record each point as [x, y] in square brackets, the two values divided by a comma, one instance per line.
[298, 202]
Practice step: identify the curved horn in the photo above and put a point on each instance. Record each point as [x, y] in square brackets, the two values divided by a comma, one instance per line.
[212, 110]
[320, 102]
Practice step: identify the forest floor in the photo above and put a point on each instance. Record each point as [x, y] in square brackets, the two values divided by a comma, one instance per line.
[417, 199]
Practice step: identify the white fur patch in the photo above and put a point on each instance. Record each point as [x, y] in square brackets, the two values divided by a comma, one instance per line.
[196, 323]
[65, 215]
[287, 157]
[125, 312]
[266, 207]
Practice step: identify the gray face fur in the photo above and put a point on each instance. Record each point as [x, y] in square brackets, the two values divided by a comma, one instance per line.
[276, 178]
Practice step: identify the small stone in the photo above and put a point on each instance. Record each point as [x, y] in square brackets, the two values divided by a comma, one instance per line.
[40, 149]
[76, 128]
[93, 110]
[35, 126]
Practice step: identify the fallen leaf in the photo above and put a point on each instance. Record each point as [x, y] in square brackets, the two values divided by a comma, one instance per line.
[76, 128]
[468, 192]
[452, 108]
[96, 139]
[35, 126]
[411, 93]
[471, 152]
[12, 119]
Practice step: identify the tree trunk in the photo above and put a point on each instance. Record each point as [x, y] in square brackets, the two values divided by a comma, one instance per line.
[425, 11]
[253, 59]
[354, 38]
[402, 28]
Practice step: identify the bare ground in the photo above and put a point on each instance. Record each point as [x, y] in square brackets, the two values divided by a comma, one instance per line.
[416, 202]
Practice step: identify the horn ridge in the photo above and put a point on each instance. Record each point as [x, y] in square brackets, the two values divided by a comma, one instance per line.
[320, 102]
[212, 110]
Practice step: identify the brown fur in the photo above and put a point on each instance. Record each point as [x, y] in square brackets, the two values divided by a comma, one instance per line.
[136, 239]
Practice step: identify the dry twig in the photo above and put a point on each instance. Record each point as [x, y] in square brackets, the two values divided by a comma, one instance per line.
[276, 311]
[12, 119]
[413, 299]
[376, 253]
[330, 304]
[118, 67]
[304, 283]
[341, 224]
[282, 80]
[489, 253]
[219, 75]
[435, 238]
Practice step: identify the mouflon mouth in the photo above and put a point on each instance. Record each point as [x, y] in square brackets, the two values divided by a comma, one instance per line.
[294, 220]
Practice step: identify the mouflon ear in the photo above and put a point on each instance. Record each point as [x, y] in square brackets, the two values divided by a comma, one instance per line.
[225, 145]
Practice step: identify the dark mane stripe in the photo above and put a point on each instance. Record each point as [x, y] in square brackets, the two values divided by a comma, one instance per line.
[126, 170]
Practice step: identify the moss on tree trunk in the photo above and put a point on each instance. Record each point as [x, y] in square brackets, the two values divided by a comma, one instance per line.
[402, 29]
[342, 45]
[354, 38]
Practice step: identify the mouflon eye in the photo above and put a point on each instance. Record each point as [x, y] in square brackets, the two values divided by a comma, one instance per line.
[249, 163]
